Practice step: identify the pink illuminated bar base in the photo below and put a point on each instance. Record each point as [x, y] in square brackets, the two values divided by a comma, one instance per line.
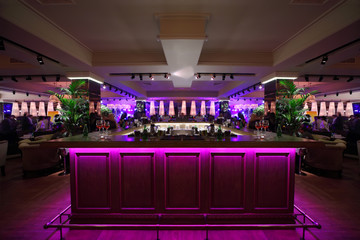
[136, 185]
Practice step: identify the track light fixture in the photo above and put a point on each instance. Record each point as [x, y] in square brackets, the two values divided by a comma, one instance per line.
[336, 78]
[337, 94]
[324, 95]
[57, 78]
[151, 77]
[260, 87]
[1, 78]
[140, 77]
[39, 95]
[14, 92]
[104, 86]
[43, 78]
[132, 76]
[324, 60]
[14, 79]
[2, 46]
[40, 59]
[306, 78]
[231, 76]
[350, 79]
[197, 76]
[321, 78]
[27, 94]
[213, 77]
[167, 75]
[350, 92]
[28, 78]
[223, 77]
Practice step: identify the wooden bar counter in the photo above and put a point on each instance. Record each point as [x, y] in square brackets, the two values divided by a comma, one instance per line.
[133, 180]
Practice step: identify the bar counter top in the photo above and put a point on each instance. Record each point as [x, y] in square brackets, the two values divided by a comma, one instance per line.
[245, 140]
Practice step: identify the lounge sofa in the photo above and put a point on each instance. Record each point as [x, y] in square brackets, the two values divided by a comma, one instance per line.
[326, 161]
[38, 161]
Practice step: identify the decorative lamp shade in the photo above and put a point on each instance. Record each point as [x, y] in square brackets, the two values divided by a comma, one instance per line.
[152, 108]
[50, 107]
[203, 108]
[171, 109]
[183, 107]
[266, 108]
[273, 107]
[306, 107]
[24, 108]
[42, 109]
[331, 110]
[98, 108]
[322, 109]
[91, 107]
[58, 106]
[33, 110]
[314, 107]
[349, 109]
[212, 108]
[193, 108]
[340, 108]
[161, 109]
[15, 109]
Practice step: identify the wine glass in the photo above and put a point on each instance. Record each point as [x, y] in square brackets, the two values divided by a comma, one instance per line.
[265, 125]
[107, 126]
[100, 125]
[257, 126]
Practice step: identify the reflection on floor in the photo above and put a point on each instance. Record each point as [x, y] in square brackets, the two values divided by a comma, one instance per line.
[27, 204]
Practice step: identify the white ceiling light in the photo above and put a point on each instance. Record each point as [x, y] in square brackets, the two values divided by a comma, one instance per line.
[85, 75]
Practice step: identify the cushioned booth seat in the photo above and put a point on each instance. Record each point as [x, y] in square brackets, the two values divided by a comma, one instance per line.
[3, 151]
[36, 160]
[328, 160]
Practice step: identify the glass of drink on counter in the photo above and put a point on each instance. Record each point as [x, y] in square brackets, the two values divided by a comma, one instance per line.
[265, 126]
[257, 126]
[100, 125]
[106, 126]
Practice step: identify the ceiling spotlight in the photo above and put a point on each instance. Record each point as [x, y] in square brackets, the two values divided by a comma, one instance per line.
[28, 78]
[27, 94]
[254, 88]
[324, 59]
[197, 76]
[260, 87]
[324, 95]
[57, 78]
[104, 87]
[350, 79]
[336, 78]
[110, 88]
[306, 78]
[350, 92]
[1, 78]
[213, 77]
[14, 79]
[2, 46]
[232, 76]
[43, 78]
[140, 77]
[14, 92]
[243, 92]
[167, 75]
[39, 95]
[321, 78]
[151, 77]
[132, 76]
[223, 77]
[121, 91]
[337, 94]
[40, 59]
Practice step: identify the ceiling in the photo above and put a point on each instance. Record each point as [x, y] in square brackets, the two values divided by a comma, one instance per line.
[181, 37]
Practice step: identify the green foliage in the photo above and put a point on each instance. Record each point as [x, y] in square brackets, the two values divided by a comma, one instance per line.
[290, 106]
[259, 111]
[74, 106]
[105, 111]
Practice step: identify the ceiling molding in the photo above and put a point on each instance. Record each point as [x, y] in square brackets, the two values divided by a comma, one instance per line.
[236, 58]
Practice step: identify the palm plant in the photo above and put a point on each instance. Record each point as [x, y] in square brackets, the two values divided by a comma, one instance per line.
[74, 106]
[290, 106]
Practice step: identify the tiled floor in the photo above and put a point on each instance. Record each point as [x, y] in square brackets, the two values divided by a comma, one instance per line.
[27, 204]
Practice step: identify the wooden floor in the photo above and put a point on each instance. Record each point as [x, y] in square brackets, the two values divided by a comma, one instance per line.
[27, 204]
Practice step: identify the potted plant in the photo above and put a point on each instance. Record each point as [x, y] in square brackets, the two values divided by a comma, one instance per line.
[74, 106]
[290, 111]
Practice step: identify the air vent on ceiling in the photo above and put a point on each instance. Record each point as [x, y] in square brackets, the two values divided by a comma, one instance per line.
[350, 60]
[56, 2]
[308, 2]
[14, 60]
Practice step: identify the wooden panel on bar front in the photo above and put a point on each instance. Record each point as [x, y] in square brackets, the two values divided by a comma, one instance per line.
[182, 181]
[92, 171]
[137, 172]
[272, 180]
[227, 179]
